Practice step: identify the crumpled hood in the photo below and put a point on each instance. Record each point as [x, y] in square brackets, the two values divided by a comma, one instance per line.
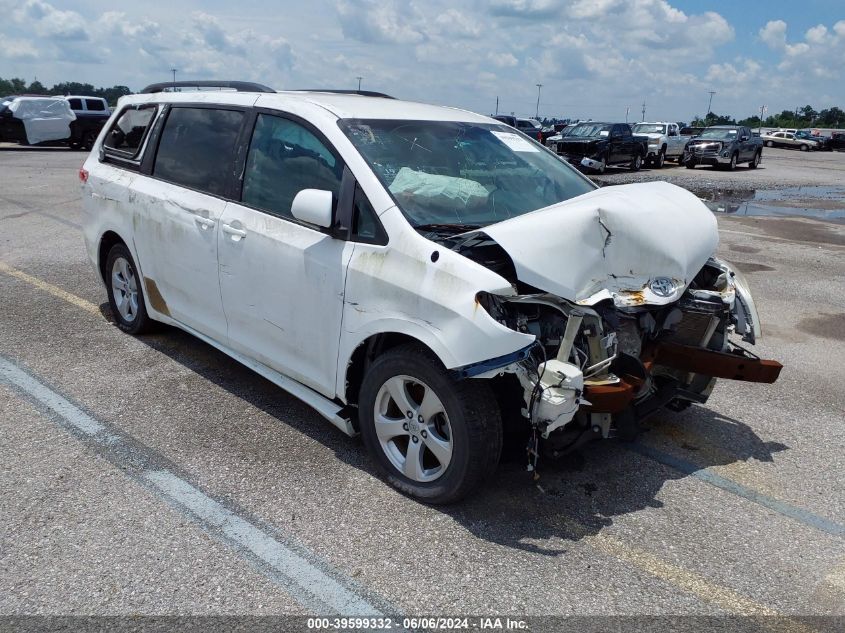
[615, 239]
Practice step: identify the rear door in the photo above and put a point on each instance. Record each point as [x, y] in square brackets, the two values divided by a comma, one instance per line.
[177, 210]
[282, 281]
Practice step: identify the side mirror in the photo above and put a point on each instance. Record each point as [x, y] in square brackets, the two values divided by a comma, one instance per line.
[313, 206]
[744, 138]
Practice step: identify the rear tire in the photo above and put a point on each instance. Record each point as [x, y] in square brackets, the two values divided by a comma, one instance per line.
[126, 295]
[769, 144]
[636, 162]
[430, 420]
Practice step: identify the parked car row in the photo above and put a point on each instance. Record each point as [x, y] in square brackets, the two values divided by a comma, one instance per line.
[73, 120]
[803, 140]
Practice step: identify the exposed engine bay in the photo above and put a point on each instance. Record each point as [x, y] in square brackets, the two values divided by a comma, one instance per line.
[601, 364]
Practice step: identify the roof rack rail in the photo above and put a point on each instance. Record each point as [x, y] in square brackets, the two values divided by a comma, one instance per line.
[238, 86]
[363, 93]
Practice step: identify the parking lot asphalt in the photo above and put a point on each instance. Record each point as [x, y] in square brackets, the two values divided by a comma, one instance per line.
[154, 475]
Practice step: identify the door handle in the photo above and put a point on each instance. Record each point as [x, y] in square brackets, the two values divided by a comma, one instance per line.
[205, 223]
[234, 231]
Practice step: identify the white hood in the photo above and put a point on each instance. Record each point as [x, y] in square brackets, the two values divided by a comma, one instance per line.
[616, 239]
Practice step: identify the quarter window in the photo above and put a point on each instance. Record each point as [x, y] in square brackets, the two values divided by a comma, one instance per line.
[197, 148]
[129, 131]
[285, 158]
[365, 223]
[95, 105]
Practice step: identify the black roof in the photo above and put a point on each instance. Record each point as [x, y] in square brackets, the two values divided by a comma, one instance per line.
[239, 86]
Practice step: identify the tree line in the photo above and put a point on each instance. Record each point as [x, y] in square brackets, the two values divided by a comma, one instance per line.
[800, 118]
[17, 86]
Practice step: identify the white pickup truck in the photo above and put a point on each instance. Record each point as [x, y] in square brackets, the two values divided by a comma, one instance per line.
[664, 142]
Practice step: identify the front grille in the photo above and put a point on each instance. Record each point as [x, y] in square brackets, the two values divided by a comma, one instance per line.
[692, 329]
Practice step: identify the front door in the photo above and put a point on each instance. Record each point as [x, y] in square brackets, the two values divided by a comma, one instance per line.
[282, 281]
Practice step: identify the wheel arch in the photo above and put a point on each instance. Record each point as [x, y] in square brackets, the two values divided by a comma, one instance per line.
[367, 351]
[107, 241]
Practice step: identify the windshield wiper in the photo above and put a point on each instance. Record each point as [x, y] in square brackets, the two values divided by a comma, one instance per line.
[446, 227]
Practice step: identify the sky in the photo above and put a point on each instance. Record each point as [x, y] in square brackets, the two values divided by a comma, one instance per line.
[595, 59]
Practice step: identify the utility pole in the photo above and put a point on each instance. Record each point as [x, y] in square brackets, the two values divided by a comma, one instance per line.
[643, 110]
[497, 104]
[627, 112]
[763, 109]
[709, 105]
[173, 70]
[359, 83]
[537, 113]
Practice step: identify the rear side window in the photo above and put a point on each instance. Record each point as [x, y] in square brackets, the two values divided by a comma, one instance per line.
[75, 104]
[128, 132]
[197, 148]
[95, 105]
[285, 158]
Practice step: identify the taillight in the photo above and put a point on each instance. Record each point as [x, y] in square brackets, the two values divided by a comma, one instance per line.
[83, 175]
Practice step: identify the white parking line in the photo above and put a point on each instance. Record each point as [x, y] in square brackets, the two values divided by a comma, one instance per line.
[295, 569]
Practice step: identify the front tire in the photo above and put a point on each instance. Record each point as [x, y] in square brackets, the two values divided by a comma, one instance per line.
[756, 162]
[126, 296]
[661, 159]
[805, 148]
[435, 438]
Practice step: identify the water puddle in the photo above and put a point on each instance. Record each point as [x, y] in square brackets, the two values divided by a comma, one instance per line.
[819, 202]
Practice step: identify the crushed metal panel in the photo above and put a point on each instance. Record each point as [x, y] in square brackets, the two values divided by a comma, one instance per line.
[618, 238]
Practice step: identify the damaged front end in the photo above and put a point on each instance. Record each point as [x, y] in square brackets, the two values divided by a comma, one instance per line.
[598, 370]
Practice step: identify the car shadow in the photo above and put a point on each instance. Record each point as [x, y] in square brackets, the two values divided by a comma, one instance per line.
[566, 500]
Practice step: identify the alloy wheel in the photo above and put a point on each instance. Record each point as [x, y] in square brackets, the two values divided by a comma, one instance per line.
[413, 429]
[124, 286]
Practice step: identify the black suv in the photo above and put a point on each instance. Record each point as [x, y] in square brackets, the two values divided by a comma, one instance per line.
[723, 146]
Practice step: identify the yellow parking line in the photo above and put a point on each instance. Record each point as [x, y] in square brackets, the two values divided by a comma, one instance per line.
[691, 582]
[688, 581]
[79, 302]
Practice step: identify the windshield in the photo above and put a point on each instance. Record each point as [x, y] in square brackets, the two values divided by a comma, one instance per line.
[456, 173]
[590, 129]
[718, 133]
[649, 128]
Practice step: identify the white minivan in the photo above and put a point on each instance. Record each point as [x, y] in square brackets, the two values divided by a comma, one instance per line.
[420, 274]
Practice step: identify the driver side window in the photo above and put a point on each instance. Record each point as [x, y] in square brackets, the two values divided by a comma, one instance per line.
[285, 158]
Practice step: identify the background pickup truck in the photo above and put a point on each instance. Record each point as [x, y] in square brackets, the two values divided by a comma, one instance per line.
[91, 115]
[723, 146]
[665, 142]
[597, 145]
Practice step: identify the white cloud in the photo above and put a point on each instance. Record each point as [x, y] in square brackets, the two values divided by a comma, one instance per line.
[594, 57]
[774, 34]
[385, 21]
[502, 60]
[17, 50]
[50, 22]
